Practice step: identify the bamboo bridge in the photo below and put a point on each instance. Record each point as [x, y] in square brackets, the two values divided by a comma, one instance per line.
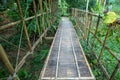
[66, 59]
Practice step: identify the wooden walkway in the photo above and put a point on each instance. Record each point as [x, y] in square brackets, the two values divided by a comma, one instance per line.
[66, 59]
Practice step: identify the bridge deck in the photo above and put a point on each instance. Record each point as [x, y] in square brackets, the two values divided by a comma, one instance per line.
[66, 59]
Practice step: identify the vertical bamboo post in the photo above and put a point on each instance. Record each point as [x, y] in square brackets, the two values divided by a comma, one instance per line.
[103, 46]
[49, 12]
[97, 25]
[72, 12]
[89, 27]
[75, 12]
[41, 8]
[37, 23]
[46, 16]
[24, 25]
[6, 61]
[46, 12]
[49, 2]
[86, 29]
[115, 71]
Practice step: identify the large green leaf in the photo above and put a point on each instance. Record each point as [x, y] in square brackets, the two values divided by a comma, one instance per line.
[110, 17]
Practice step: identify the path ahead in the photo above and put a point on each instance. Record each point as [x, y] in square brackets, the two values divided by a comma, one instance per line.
[66, 59]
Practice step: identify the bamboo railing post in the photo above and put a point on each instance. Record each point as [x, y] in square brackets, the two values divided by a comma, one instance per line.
[115, 71]
[49, 3]
[103, 46]
[6, 61]
[24, 25]
[89, 29]
[86, 22]
[51, 12]
[97, 25]
[46, 17]
[41, 8]
[48, 14]
[72, 12]
[37, 23]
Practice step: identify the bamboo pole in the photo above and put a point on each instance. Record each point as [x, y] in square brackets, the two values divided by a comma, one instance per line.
[21, 63]
[37, 23]
[11, 44]
[103, 46]
[51, 20]
[50, 12]
[6, 61]
[90, 13]
[86, 29]
[89, 28]
[9, 25]
[115, 71]
[24, 25]
[108, 49]
[97, 25]
[47, 12]
[41, 9]
[101, 66]
[46, 17]
[40, 4]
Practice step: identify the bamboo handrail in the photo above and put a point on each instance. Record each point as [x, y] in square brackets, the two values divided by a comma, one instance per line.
[79, 12]
[9, 25]
[28, 53]
[21, 63]
[11, 44]
[86, 12]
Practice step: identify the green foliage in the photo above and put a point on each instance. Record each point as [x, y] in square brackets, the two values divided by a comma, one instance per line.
[23, 74]
[76, 4]
[63, 6]
[98, 8]
[31, 27]
[1, 19]
[12, 12]
[73, 21]
[3, 71]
